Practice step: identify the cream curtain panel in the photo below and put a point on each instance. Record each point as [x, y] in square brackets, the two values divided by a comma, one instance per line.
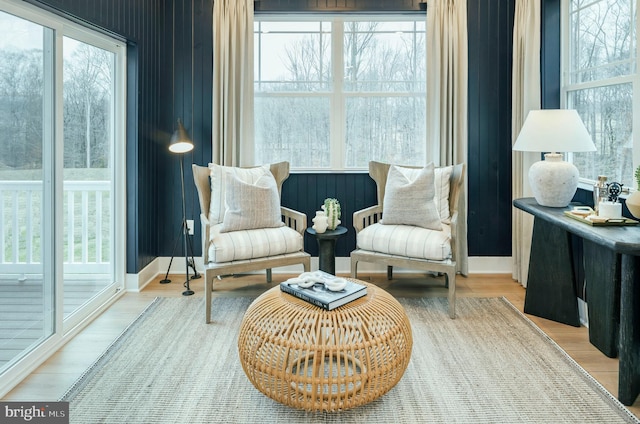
[525, 97]
[233, 82]
[447, 76]
[447, 88]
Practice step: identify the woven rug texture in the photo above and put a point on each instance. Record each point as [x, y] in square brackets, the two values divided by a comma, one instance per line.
[489, 365]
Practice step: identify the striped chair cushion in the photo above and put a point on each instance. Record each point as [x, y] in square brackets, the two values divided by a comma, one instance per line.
[406, 240]
[252, 244]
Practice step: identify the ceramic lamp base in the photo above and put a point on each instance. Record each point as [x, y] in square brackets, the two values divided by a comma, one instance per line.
[553, 181]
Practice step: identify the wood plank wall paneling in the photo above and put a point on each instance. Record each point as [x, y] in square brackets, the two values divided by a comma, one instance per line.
[550, 54]
[490, 24]
[173, 46]
[306, 193]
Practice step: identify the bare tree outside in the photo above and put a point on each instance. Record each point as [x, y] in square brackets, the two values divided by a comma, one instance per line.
[21, 93]
[602, 52]
[87, 103]
[87, 108]
[364, 101]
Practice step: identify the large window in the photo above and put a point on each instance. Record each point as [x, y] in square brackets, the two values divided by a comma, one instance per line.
[61, 181]
[335, 93]
[600, 81]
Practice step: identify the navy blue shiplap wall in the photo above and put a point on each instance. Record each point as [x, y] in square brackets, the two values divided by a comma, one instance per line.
[490, 26]
[170, 51]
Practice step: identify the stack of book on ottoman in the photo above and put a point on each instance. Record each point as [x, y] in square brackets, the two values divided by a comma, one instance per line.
[322, 289]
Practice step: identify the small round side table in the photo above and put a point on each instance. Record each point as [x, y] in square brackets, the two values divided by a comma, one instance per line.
[309, 358]
[327, 247]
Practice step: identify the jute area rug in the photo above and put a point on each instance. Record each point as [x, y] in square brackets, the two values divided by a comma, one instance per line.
[489, 365]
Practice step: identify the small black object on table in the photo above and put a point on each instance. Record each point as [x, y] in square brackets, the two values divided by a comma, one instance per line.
[326, 247]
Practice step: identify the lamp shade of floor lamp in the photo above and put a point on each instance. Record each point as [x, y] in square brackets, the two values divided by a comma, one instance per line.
[553, 181]
[180, 144]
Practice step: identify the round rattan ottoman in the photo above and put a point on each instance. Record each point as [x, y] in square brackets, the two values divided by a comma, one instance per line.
[308, 358]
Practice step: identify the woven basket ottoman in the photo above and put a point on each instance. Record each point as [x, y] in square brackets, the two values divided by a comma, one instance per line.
[308, 358]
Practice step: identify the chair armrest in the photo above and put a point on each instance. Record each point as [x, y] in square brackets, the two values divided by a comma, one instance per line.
[294, 219]
[454, 235]
[365, 217]
[206, 228]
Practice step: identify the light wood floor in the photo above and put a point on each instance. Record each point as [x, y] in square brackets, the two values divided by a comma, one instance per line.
[52, 379]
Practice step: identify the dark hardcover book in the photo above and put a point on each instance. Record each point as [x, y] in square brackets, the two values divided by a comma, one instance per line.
[320, 296]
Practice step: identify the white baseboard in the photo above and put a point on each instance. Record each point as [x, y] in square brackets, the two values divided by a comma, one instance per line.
[136, 282]
[477, 265]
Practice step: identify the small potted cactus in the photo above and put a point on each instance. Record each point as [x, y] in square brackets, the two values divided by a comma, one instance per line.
[331, 208]
[633, 200]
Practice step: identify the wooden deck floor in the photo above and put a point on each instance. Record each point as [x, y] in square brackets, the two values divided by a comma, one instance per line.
[23, 312]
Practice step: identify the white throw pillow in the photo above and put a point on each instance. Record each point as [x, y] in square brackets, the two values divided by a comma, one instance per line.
[409, 198]
[442, 177]
[219, 175]
[251, 206]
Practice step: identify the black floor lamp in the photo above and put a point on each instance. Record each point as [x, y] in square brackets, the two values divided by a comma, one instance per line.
[180, 144]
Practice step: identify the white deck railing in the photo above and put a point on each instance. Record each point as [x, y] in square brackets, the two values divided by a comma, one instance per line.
[86, 215]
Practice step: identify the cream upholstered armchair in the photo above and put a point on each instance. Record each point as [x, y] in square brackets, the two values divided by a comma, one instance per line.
[407, 229]
[244, 227]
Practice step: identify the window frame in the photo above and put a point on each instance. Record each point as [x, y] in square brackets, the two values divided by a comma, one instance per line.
[336, 94]
[64, 328]
[567, 86]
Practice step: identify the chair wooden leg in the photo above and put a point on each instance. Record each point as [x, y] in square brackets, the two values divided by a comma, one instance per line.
[354, 268]
[451, 281]
[389, 272]
[269, 275]
[208, 287]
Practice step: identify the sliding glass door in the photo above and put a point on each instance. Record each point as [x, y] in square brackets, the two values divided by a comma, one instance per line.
[27, 302]
[89, 100]
[61, 179]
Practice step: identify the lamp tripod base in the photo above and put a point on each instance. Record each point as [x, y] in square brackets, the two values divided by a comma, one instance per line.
[189, 261]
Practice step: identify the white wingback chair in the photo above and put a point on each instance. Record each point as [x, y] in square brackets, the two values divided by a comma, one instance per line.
[414, 247]
[244, 246]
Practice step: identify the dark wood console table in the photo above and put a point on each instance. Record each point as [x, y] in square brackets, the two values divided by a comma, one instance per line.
[611, 259]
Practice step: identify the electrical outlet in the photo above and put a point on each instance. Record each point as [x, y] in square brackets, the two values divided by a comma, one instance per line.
[190, 226]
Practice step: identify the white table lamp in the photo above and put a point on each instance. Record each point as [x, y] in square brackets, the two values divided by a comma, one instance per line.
[553, 181]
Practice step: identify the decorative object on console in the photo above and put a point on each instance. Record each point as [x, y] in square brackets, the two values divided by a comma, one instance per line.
[320, 222]
[180, 144]
[633, 200]
[613, 191]
[331, 208]
[599, 191]
[553, 181]
[609, 209]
